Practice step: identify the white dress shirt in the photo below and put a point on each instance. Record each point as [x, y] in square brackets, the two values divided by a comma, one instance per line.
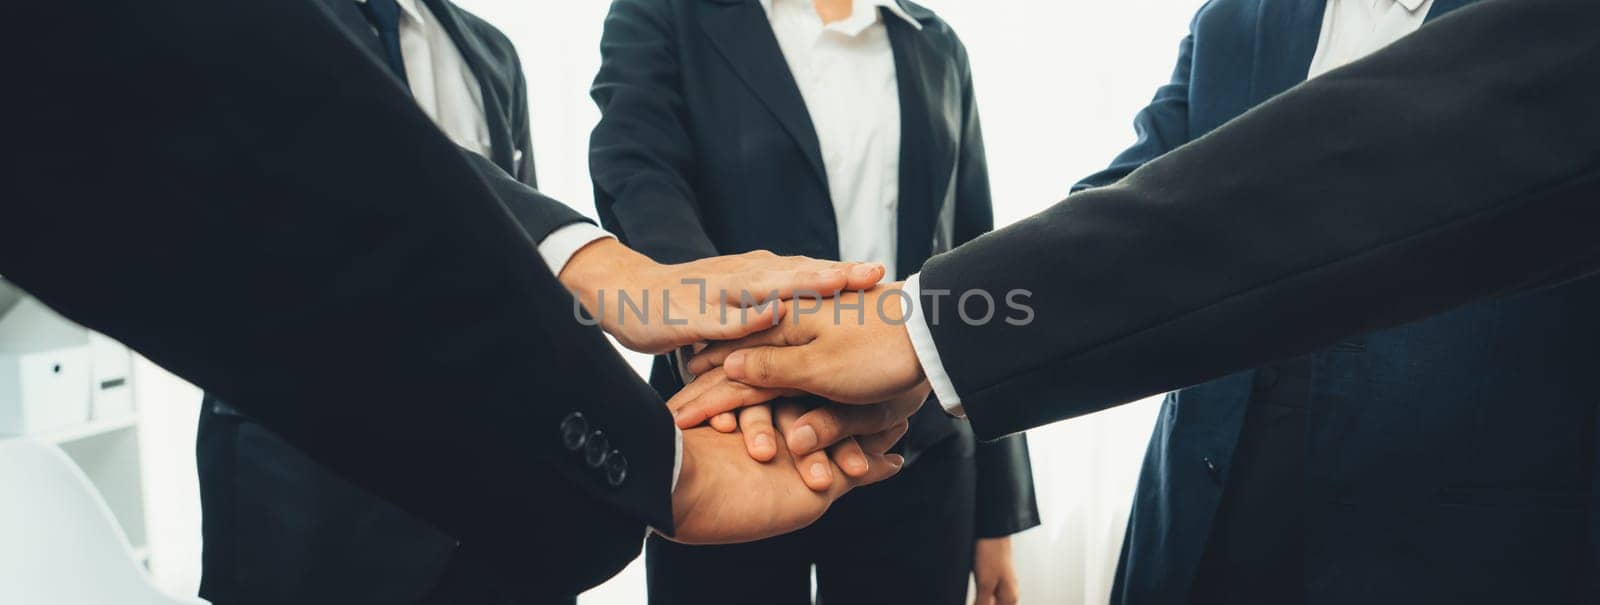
[441, 82]
[1351, 29]
[846, 75]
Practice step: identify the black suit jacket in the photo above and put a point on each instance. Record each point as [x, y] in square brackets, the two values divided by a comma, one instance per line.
[1456, 165]
[266, 213]
[280, 527]
[705, 147]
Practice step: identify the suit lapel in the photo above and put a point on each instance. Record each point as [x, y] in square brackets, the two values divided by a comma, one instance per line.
[350, 19]
[495, 106]
[741, 34]
[1441, 7]
[1289, 31]
[925, 169]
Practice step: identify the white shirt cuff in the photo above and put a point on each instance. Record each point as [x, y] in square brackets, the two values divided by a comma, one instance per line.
[558, 247]
[677, 466]
[927, 352]
[677, 456]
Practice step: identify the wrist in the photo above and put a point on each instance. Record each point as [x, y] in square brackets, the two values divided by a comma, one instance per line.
[907, 312]
[604, 264]
[682, 497]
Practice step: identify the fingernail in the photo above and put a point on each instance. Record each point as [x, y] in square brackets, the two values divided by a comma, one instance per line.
[867, 269]
[763, 441]
[857, 464]
[803, 440]
[733, 366]
[895, 460]
[819, 471]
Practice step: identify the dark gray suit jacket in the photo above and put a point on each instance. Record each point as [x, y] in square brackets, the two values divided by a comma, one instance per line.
[1459, 164]
[279, 527]
[265, 211]
[707, 148]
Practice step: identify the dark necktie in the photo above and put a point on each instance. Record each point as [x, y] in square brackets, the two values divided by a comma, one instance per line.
[385, 16]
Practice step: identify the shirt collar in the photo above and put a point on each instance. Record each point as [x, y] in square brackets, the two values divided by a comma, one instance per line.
[408, 7]
[864, 14]
[1411, 5]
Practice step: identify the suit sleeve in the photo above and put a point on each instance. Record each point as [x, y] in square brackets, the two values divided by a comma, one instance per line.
[1161, 126]
[521, 128]
[1006, 502]
[640, 154]
[283, 227]
[1456, 165]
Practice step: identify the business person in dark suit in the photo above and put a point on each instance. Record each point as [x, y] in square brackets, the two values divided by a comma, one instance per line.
[283, 226]
[280, 527]
[832, 129]
[1459, 450]
[1447, 460]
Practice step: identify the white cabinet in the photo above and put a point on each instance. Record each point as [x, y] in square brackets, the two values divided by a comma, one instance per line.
[63, 384]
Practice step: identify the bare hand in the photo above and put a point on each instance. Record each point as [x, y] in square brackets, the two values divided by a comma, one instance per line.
[993, 573]
[653, 308]
[723, 496]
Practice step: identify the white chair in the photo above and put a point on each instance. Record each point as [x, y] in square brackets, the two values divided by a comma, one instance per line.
[59, 544]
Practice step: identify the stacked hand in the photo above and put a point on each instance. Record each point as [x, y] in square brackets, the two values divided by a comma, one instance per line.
[732, 488]
[823, 386]
[851, 350]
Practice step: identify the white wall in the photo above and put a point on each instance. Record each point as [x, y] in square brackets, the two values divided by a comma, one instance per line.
[1058, 82]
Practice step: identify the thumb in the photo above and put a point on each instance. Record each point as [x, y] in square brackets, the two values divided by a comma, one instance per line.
[774, 367]
[983, 590]
[878, 469]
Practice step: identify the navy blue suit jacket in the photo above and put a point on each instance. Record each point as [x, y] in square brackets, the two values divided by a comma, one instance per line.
[1450, 460]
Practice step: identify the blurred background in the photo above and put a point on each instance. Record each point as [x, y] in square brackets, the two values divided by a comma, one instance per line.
[1043, 133]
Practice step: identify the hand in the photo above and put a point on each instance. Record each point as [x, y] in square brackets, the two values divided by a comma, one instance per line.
[723, 496]
[993, 573]
[759, 424]
[879, 426]
[712, 299]
[850, 349]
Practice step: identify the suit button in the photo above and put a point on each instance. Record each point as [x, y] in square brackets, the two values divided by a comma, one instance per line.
[1266, 378]
[574, 431]
[1211, 469]
[594, 452]
[616, 468]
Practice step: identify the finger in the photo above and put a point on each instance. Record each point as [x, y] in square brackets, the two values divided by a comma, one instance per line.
[712, 357]
[725, 422]
[982, 596]
[864, 276]
[755, 423]
[878, 469]
[804, 277]
[880, 443]
[731, 322]
[695, 388]
[830, 424]
[725, 396]
[1007, 594]
[815, 469]
[847, 455]
[708, 395]
[775, 367]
